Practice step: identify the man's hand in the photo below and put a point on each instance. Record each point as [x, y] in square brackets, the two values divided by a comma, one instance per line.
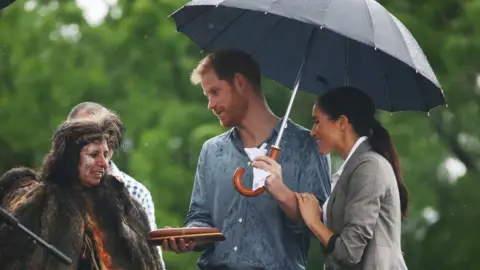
[275, 186]
[274, 182]
[178, 245]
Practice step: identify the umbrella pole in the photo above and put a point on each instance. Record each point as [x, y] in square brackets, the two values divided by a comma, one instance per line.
[276, 146]
[275, 149]
[287, 113]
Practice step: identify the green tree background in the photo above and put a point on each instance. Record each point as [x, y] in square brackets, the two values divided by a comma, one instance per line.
[134, 62]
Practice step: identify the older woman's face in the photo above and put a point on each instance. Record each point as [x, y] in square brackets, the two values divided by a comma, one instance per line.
[94, 161]
[325, 130]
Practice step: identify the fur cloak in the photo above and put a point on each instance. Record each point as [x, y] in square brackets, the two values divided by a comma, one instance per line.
[58, 215]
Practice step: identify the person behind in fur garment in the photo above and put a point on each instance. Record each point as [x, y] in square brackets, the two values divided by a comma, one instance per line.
[76, 205]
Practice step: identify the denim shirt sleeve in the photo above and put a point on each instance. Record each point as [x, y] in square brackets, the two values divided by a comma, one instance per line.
[313, 178]
[198, 213]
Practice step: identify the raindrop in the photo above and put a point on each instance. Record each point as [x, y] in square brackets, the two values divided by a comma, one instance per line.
[266, 13]
[375, 48]
[175, 143]
[127, 145]
[146, 144]
[321, 26]
[428, 113]
[217, 5]
[416, 70]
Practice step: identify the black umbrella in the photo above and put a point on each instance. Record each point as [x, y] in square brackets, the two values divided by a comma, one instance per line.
[5, 3]
[316, 45]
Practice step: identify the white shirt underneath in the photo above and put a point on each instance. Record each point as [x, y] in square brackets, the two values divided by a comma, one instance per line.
[337, 175]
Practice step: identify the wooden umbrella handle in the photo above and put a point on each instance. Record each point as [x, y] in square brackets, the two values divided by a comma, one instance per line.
[237, 177]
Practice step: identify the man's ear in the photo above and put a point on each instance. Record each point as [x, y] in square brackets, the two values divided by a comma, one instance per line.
[239, 82]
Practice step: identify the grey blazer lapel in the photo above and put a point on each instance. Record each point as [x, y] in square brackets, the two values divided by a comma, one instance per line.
[347, 169]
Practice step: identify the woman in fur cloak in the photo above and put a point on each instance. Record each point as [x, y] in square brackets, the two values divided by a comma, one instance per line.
[74, 204]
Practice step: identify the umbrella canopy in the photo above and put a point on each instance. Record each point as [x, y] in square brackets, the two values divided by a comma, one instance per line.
[352, 42]
[317, 45]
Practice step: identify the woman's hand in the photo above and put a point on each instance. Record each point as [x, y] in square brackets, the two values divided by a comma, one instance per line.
[309, 208]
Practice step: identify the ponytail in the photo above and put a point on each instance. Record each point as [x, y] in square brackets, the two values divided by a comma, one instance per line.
[382, 143]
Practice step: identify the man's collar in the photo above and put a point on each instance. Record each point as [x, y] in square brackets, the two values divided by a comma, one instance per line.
[233, 133]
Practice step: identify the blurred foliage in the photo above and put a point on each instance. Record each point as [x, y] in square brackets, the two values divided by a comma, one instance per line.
[135, 63]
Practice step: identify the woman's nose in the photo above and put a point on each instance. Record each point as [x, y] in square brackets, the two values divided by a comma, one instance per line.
[103, 162]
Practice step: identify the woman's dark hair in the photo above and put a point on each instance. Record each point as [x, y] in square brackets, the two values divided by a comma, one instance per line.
[360, 111]
[60, 166]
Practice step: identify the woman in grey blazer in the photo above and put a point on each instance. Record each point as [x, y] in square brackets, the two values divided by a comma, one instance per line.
[360, 224]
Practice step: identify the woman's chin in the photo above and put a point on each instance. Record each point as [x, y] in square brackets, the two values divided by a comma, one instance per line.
[324, 150]
[91, 182]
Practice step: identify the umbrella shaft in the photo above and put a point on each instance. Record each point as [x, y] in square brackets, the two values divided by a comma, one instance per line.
[295, 88]
[287, 113]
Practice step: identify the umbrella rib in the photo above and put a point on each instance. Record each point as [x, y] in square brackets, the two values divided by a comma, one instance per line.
[371, 23]
[205, 10]
[265, 37]
[219, 33]
[416, 74]
[346, 79]
[388, 92]
[403, 40]
[413, 68]
[378, 53]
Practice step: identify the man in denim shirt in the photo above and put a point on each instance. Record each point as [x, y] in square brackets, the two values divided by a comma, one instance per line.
[263, 232]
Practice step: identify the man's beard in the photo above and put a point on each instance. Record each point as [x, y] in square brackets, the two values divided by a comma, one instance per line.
[234, 115]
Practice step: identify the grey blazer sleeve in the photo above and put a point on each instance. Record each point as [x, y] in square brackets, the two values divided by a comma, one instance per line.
[362, 208]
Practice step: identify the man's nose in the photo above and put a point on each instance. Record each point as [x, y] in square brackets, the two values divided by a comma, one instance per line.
[211, 104]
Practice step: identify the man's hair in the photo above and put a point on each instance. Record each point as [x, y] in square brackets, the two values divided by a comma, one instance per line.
[225, 64]
[90, 107]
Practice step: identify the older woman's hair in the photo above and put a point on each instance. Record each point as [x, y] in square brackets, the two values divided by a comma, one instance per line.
[61, 163]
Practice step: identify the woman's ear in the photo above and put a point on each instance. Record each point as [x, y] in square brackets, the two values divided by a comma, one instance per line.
[343, 122]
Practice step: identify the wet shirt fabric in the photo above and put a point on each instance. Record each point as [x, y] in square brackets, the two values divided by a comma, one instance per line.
[258, 233]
